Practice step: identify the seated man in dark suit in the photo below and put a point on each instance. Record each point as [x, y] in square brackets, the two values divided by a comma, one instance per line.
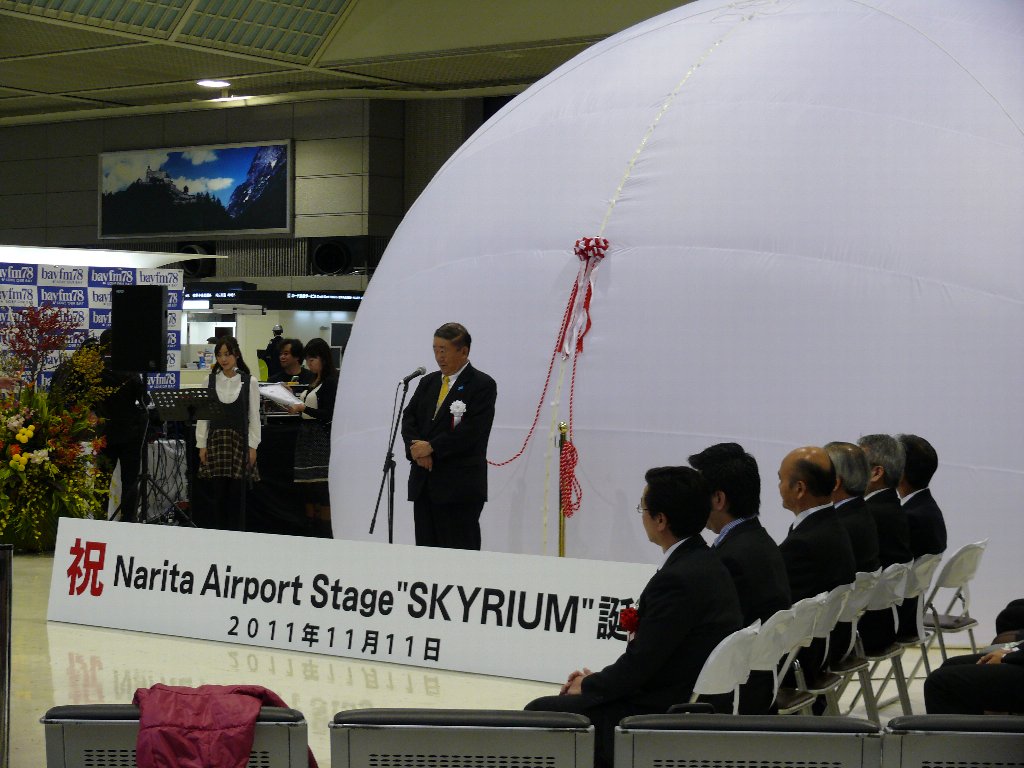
[990, 681]
[925, 524]
[885, 462]
[848, 499]
[685, 610]
[751, 556]
[885, 457]
[977, 684]
[817, 551]
[924, 518]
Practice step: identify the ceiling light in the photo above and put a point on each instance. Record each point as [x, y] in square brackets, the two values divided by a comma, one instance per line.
[231, 98]
[213, 83]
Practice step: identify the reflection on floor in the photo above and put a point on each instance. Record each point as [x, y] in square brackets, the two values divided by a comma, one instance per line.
[68, 664]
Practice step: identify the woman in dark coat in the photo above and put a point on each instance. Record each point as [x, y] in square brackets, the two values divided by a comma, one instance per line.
[313, 446]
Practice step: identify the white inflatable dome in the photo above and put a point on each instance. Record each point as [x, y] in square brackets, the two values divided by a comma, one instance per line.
[815, 212]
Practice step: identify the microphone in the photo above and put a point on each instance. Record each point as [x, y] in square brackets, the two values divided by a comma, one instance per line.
[415, 374]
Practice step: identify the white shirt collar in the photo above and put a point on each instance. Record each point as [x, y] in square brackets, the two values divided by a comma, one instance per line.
[874, 493]
[808, 512]
[912, 494]
[838, 504]
[669, 551]
[454, 376]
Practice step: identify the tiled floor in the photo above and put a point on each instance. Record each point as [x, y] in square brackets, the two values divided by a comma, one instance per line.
[68, 664]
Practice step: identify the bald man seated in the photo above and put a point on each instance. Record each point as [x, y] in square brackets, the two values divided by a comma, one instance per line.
[817, 552]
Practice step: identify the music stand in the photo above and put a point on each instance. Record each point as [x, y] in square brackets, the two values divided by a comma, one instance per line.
[187, 406]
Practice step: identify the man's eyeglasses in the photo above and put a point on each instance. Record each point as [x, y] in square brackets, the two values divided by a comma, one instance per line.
[640, 508]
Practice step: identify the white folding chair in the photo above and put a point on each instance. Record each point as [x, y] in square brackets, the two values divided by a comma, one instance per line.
[919, 579]
[918, 582]
[887, 594]
[824, 681]
[852, 663]
[775, 641]
[956, 574]
[778, 641]
[727, 666]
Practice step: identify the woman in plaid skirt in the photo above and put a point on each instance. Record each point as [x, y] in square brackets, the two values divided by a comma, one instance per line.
[227, 445]
[313, 445]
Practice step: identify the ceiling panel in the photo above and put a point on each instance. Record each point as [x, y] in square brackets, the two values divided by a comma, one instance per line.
[472, 69]
[255, 85]
[142, 55]
[39, 105]
[137, 64]
[30, 37]
[148, 17]
[293, 31]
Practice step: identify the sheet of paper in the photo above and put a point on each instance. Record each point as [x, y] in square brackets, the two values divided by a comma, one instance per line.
[278, 393]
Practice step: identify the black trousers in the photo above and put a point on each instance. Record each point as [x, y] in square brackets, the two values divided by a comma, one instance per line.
[757, 695]
[218, 504]
[455, 525]
[877, 630]
[961, 686]
[130, 456]
[604, 717]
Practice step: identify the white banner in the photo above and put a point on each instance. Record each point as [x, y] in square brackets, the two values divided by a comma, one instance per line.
[523, 616]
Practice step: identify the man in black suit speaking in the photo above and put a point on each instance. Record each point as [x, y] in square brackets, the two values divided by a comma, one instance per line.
[687, 607]
[445, 428]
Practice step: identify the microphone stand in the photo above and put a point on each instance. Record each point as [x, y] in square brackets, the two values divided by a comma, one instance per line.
[389, 471]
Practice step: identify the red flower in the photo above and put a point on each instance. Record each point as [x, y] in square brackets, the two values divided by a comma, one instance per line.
[629, 619]
[14, 450]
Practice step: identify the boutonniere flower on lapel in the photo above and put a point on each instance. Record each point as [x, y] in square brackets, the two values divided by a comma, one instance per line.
[457, 409]
[629, 620]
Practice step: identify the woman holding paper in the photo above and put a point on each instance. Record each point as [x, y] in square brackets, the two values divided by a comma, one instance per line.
[227, 444]
[313, 446]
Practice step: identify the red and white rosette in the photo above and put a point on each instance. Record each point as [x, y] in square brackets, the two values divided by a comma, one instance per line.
[591, 252]
[457, 410]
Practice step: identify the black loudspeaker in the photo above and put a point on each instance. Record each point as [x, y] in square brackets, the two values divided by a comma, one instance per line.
[331, 256]
[138, 328]
[198, 267]
[351, 255]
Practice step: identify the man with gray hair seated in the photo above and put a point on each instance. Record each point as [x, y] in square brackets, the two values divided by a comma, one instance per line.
[885, 457]
[848, 499]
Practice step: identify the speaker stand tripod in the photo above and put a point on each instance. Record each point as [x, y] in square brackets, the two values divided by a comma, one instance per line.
[146, 481]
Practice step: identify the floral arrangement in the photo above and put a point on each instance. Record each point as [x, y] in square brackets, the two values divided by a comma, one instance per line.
[47, 445]
[31, 335]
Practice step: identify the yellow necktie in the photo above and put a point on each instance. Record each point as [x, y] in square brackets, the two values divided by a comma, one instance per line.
[442, 394]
